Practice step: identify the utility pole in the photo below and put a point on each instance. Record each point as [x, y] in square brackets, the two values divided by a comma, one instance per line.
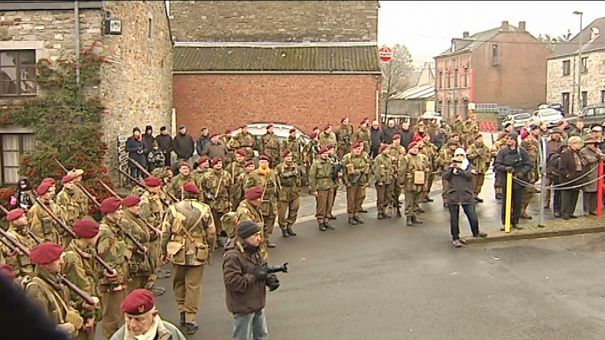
[580, 65]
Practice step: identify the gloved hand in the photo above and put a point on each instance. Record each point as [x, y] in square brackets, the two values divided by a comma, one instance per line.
[272, 282]
[261, 273]
[509, 169]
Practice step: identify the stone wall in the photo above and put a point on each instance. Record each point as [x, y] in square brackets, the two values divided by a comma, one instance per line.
[274, 20]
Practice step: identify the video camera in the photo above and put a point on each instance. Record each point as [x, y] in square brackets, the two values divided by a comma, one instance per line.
[275, 269]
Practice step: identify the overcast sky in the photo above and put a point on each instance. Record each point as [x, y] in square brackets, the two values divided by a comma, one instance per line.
[427, 27]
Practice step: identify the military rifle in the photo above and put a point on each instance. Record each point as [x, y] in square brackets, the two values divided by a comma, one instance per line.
[80, 186]
[143, 170]
[57, 220]
[132, 179]
[147, 224]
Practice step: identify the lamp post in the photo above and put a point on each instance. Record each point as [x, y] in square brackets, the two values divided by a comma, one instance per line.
[580, 68]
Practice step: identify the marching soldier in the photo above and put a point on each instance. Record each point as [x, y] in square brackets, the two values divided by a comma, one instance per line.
[82, 269]
[471, 128]
[270, 144]
[443, 161]
[216, 186]
[246, 141]
[294, 145]
[344, 138]
[479, 156]
[203, 165]
[430, 151]
[48, 290]
[383, 180]
[185, 175]
[412, 170]
[79, 196]
[225, 138]
[267, 179]
[152, 210]
[321, 183]
[112, 248]
[139, 268]
[357, 170]
[458, 126]
[310, 153]
[187, 243]
[363, 134]
[19, 230]
[41, 224]
[496, 147]
[396, 152]
[236, 170]
[532, 146]
[250, 209]
[290, 180]
[327, 137]
[68, 204]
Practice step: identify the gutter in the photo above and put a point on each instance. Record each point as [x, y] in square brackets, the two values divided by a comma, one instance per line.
[274, 44]
[279, 72]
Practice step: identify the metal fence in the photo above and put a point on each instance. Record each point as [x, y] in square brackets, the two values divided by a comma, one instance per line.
[121, 156]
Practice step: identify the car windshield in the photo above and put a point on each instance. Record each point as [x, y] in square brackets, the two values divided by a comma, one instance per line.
[549, 113]
[522, 116]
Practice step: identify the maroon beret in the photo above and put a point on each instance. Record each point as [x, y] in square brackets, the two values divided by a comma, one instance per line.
[324, 149]
[253, 193]
[396, 136]
[153, 182]
[213, 135]
[286, 153]
[131, 201]
[327, 127]
[46, 253]
[227, 132]
[292, 130]
[49, 180]
[139, 301]
[411, 145]
[241, 152]
[110, 205]
[202, 159]
[269, 126]
[191, 188]
[365, 120]
[43, 187]
[343, 119]
[382, 147]
[86, 228]
[313, 135]
[14, 214]
[417, 138]
[249, 162]
[66, 179]
[264, 158]
[215, 161]
[358, 144]
[8, 271]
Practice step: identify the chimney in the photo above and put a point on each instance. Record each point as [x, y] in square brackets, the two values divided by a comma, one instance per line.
[504, 26]
[522, 26]
[465, 34]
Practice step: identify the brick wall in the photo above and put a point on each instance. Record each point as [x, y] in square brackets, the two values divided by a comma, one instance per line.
[274, 20]
[228, 101]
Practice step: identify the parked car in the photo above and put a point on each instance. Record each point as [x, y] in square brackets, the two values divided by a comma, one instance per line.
[593, 114]
[282, 131]
[518, 119]
[552, 117]
[555, 106]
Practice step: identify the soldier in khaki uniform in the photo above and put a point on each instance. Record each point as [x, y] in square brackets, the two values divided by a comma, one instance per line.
[267, 179]
[294, 145]
[152, 210]
[290, 180]
[236, 170]
[250, 209]
[344, 137]
[363, 134]
[310, 153]
[80, 197]
[458, 126]
[185, 175]
[321, 183]
[479, 156]
[113, 249]
[412, 170]
[246, 141]
[139, 267]
[443, 161]
[356, 176]
[270, 145]
[19, 230]
[41, 224]
[82, 269]
[69, 204]
[471, 128]
[383, 180]
[327, 137]
[215, 185]
[188, 241]
[532, 146]
[496, 147]
[396, 152]
[430, 151]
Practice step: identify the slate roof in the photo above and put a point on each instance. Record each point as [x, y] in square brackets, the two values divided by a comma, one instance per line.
[417, 92]
[588, 45]
[347, 59]
[474, 41]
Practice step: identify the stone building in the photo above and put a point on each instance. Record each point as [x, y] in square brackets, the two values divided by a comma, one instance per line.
[305, 63]
[564, 70]
[504, 66]
[135, 88]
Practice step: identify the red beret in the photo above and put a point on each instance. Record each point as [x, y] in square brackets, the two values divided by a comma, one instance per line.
[253, 193]
[110, 205]
[327, 127]
[8, 271]
[215, 161]
[382, 147]
[249, 162]
[365, 120]
[292, 130]
[66, 179]
[131, 201]
[227, 132]
[139, 301]
[269, 126]
[396, 136]
[86, 228]
[153, 182]
[49, 180]
[185, 163]
[412, 144]
[417, 138]
[14, 214]
[202, 159]
[358, 144]
[286, 153]
[46, 253]
[43, 188]
[324, 149]
[213, 135]
[313, 135]
[191, 188]
[264, 158]
[241, 152]
[343, 119]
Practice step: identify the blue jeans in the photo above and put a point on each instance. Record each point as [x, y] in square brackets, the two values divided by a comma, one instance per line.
[250, 326]
[469, 211]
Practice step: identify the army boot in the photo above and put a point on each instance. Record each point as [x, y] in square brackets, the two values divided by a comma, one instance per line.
[322, 226]
[380, 216]
[408, 221]
[416, 220]
[183, 319]
[191, 328]
[290, 231]
[359, 221]
[398, 212]
[328, 225]
[352, 220]
[284, 233]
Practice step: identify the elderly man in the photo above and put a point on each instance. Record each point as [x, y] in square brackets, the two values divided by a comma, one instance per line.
[571, 168]
[142, 320]
[215, 148]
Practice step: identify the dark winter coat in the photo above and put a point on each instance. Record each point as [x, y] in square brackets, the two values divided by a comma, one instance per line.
[516, 158]
[147, 141]
[183, 146]
[377, 137]
[136, 150]
[164, 142]
[201, 143]
[389, 133]
[406, 137]
[460, 185]
[571, 166]
[215, 150]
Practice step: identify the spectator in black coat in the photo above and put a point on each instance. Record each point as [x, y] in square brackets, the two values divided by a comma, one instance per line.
[571, 167]
[137, 152]
[406, 133]
[202, 141]
[376, 138]
[390, 130]
[165, 143]
[183, 145]
[148, 140]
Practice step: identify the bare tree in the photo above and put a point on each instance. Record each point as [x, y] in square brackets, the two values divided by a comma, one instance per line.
[551, 41]
[396, 74]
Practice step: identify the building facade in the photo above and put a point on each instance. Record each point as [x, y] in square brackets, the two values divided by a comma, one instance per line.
[305, 63]
[135, 87]
[565, 71]
[504, 66]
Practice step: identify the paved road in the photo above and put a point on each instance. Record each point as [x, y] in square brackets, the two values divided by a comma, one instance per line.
[383, 280]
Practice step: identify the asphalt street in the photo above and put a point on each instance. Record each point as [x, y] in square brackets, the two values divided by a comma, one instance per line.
[384, 280]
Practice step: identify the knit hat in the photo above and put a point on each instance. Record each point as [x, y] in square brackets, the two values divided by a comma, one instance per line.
[185, 163]
[247, 228]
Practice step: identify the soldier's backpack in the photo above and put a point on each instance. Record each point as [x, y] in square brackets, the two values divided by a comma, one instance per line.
[229, 223]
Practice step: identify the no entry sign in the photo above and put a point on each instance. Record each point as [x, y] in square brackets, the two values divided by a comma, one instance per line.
[386, 54]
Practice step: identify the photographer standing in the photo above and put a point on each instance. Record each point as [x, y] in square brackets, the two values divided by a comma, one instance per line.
[246, 275]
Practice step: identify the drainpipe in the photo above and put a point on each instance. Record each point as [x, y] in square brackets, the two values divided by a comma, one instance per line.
[77, 42]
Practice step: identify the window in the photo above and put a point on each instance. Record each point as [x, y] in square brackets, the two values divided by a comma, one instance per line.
[602, 96]
[440, 79]
[565, 101]
[584, 64]
[465, 77]
[495, 60]
[17, 72]
[566, 67]
[456, 78]
[455, 106]
[584, 99]
[449, 81]
[149, 22]
[13, 146]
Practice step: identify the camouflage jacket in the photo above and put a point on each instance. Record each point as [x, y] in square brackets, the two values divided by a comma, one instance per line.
[271, 147]
[176, 184]
[357, 170]
[290, 180]
[81, 269]
[310, 153]
[383, 169]
[245, 140]
[113, 249]
[320, 175]
[396, 153]
[295, 146]
[458, 127]
[69, 206]
[364, 134]
[152, 208]
[532, 146]
[246, 211]
[42, 225]
[189, 233]
[409, 165]
[445, 158]
[216, 186]
[479, 156]
[345, 136]
[138, 263]
[327, 139]
[431, 153]
[22, 263]
[269, 181]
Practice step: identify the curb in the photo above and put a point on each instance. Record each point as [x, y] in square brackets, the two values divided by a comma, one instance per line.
[535, 235]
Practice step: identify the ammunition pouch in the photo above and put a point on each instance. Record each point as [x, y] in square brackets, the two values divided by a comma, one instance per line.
[201, 252]
[419, 177]
[173, 248]
[74, 318]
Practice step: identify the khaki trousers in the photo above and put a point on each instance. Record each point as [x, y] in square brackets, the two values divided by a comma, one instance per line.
[384, 194]
[412, 202]
[354, 199]
[479, 179]
[216, 216]
[187, 286]
[112, 316]
[269, 224]
[83, 335]
[287, 212]
[323, 204]
[154, 261]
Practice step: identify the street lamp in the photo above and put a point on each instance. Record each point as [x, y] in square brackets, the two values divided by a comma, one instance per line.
[580, 68]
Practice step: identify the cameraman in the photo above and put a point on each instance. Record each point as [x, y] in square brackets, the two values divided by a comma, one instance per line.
[246, 275]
